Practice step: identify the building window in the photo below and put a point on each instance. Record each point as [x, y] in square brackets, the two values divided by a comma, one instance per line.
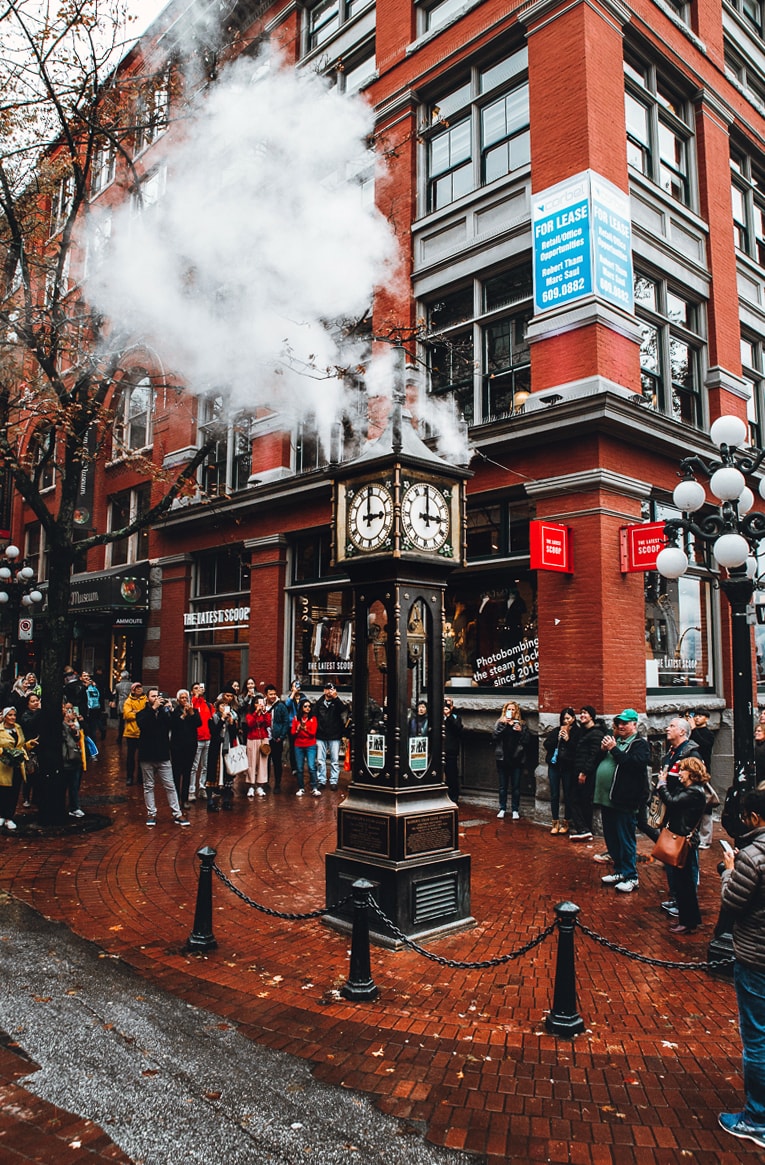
[496, 529]
[327, 17]
[103, 168]
[753, 367]
[751, 11]
[659, 133]
[150, 190]
[36, 550]
[43, 455]
[490, 633]
[352, 73]
[748, 198]
[152, 112]
[133, 416]
[124, 508]
[745, 73]
[61, 203]
[440, 13]
[670, 349]
[476, 346]
[479, 130]
[229, 463]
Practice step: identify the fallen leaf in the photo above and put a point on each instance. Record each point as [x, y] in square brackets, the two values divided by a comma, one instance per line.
[43, 998]
[379, 1052]
[150, 1072]
[213, 1095]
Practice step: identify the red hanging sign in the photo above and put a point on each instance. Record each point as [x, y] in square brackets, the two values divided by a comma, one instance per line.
[551, 546]
[639, 546]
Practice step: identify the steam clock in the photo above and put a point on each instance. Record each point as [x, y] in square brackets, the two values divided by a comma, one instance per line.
[398, 526]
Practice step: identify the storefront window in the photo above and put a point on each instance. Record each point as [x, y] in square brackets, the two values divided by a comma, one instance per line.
[678, 633]
[491, 634]
[217, 626]
[323, 636]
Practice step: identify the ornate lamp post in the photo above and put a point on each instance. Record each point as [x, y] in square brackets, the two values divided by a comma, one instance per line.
[18, 589]
[733, 533]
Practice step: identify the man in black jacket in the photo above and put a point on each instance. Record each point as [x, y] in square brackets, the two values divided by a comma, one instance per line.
[332, 719]
[587, 756]
[626, 767]
[154, 756]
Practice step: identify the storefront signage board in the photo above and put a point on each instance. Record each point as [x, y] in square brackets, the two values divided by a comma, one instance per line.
[640, 545]
[217, 617]
[582, 243]
[551, 546]
[126, 587]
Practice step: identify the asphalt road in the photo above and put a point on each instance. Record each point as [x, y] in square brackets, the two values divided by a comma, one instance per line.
[170, 1082]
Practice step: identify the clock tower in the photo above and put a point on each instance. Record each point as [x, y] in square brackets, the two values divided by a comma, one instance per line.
[398, 522]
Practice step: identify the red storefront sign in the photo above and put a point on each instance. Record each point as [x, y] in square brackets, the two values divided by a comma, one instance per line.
[639, 546]
[552, 547]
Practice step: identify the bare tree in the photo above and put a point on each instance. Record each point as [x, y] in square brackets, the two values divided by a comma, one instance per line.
[65, 114]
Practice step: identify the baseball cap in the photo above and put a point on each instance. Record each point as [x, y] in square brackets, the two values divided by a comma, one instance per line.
[329, 684]
[628, 716]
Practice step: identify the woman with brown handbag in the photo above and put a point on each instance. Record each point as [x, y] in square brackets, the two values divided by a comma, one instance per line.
[685, 797]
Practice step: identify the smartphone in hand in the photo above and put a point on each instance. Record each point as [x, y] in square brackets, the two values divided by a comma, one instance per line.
[726, 846]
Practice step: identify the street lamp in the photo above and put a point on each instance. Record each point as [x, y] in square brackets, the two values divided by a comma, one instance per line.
[734, 535]
[18, 588]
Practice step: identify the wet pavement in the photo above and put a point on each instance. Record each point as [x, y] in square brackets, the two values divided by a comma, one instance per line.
[458, 1056]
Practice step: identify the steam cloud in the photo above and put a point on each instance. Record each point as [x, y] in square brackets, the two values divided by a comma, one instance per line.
[262, 238]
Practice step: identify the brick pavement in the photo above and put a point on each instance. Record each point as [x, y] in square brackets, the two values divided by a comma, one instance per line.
[463, 1051]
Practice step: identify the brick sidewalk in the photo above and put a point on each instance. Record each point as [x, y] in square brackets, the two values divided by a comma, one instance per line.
[464, 1051]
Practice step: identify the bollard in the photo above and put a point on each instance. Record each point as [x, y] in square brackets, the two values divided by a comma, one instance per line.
[564, 1019]
[202, 937]
[360, 985]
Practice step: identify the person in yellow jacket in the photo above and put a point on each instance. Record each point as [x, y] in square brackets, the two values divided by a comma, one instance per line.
[74, 759]
[134, 703]
[12, 756]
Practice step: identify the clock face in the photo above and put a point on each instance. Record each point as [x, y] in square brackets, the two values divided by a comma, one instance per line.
[425, 516]
[370, 517]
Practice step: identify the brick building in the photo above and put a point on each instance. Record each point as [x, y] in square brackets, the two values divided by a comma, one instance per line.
[579, 402]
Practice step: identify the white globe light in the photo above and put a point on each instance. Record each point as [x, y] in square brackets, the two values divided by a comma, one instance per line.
[672, 562]
[731, 431]
[5, 574]
[727, 483]
[37, 596]
[4, 597]
[12, 552]
[689, 496]
[751, 566]
[745, 501]
[26, 573]
[26, 601]
[761, 487]
[731, 550]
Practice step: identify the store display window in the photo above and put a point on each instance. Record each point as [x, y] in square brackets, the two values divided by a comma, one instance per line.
[491, 633]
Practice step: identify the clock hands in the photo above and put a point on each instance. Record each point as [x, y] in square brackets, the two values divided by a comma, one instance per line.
[370, 517]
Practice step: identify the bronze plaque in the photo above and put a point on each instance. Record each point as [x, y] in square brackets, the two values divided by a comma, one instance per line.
[429, 832]
[366, 833]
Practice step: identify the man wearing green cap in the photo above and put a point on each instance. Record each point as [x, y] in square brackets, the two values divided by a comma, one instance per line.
[621, 785]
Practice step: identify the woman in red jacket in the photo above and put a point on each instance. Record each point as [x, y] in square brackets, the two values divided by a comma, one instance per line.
[303, 732]
[257, 726]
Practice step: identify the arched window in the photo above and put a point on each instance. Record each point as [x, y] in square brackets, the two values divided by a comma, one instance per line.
[133, 415]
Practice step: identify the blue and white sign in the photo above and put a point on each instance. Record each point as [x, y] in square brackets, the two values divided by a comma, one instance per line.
[582, 243]
[612, 242]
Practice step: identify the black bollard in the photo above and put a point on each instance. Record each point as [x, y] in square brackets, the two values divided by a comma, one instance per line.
[202, 937]
[564, 1019]
[360, 985]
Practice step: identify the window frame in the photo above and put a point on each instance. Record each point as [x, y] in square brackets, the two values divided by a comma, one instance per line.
[232, 468]
[461, 110]
[671, 332]
[748, 182]
[667, 112]
[125, 419]
[134, 501]
[475, 393]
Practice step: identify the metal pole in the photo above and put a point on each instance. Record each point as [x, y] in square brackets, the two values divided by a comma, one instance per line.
[564, 1019]
[202, 937]
[360, 985]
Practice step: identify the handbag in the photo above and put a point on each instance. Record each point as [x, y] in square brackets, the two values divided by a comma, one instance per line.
[235, 760]
[672, 849]
[656, 811]
[265, 748]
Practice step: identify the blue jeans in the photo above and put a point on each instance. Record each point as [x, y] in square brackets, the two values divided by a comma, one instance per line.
[621, 843]
[509, 777]
[750, 994]
[306, 756]
[560, 781]
[331, 749]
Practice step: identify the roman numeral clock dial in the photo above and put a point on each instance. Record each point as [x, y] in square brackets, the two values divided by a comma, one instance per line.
[370, 517]
[425, 516]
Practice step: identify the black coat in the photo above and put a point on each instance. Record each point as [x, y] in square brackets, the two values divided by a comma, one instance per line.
[685, 807]
[587, 752]
[629, 788]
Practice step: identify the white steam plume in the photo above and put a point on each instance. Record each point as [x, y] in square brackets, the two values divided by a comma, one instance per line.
[259, 242]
